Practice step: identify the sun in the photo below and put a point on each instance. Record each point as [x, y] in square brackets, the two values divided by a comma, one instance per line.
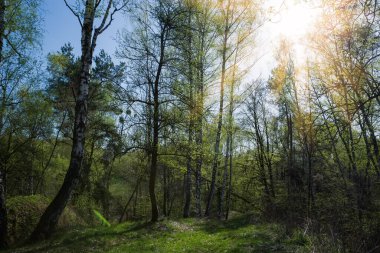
[295, 19]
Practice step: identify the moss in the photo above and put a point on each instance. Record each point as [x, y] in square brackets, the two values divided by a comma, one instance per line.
[24, 213]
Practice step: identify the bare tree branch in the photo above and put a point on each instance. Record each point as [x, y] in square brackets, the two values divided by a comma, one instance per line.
[73, 12]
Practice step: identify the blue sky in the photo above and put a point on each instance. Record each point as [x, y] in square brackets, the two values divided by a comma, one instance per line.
[61, 26]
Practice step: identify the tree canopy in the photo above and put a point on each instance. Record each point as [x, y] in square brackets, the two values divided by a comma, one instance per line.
[180, 121]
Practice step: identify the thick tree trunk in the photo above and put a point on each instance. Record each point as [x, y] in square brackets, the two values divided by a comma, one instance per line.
[50, 218]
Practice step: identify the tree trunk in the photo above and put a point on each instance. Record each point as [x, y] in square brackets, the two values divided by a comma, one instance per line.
[3, 213]
[198, 168]
[50, 218]
[224, 181]
[220, 121]
[134, 193]
[153, 167]
[230, 136]
[186, 209]
[289, 142]
[154, 154]
[229, 192]
[105, 184]
[199, 129]
[2, 28]
[165, 195]
[260, 150]
[268, 156]
[188, 183]
[3, 209]
[374, 141]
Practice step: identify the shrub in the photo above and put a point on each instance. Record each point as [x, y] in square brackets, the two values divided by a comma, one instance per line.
[24, 213]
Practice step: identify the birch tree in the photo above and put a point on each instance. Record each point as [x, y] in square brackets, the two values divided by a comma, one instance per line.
[86, 15]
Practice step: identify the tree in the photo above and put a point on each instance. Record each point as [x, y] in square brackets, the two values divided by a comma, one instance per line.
[19, 30]
[150, 51]
[103, 109]
[235, 16]
[3, 209]
[90, 34]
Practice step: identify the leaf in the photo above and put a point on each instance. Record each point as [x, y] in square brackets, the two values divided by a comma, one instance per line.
[101, 218]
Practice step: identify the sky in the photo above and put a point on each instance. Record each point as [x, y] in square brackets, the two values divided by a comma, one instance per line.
[291, 19]
[288, 19]
[61, 26]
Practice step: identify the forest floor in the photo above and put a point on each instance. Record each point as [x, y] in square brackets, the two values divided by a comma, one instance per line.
[239, 234]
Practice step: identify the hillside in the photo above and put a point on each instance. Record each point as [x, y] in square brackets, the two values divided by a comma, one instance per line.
[191, 235]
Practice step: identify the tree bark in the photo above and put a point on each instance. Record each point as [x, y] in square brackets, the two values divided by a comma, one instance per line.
[3, 209]
[198, 166]
[2, 28]
[49, 219]
[229, 192]
[229, 148]
[220, 119]
[224, 181]
[153, 166]
[3, 213]
[186, 209]
[165, 195]
[188, 183]
[156, 105]
[199, 128]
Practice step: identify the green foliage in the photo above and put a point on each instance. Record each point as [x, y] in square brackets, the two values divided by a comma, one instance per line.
[24, 213]
[22, 24]
[101, 218]
[83, 205]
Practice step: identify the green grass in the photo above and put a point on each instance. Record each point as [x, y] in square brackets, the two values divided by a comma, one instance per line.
[190, 235]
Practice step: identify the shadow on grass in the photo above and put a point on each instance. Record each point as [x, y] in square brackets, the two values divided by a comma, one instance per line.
[247, 234]
[212, 226]
[239, 234]
[79, 242]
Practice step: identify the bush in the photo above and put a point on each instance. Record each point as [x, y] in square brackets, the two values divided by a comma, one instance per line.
[24, 213]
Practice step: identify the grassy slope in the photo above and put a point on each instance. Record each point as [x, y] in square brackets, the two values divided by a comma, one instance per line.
[191, 235]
